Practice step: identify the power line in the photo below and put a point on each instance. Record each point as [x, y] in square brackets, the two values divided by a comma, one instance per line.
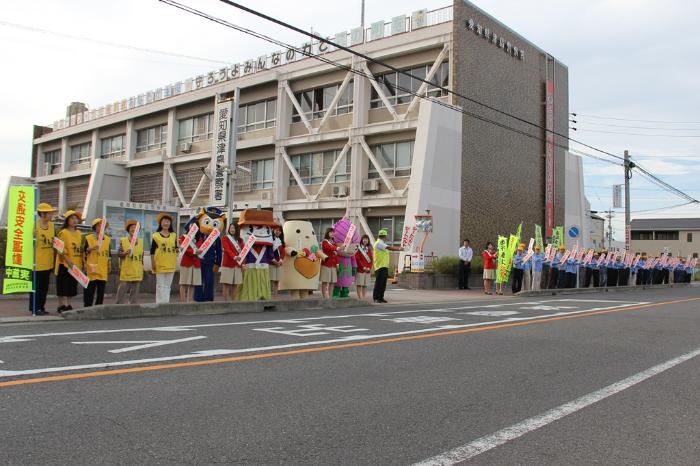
[638, 134]
[612, 125]
[110, 44]
[369, 76]
[639, 121]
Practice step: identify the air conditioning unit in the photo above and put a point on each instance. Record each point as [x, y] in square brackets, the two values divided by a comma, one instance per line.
[370, 186]
[339, 191]
[186, 147]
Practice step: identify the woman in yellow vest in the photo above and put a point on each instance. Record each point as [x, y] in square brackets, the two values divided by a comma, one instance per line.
[130, 266]
[381, 265]
[72, 254]
[97, 263]
[164, 256]
[45, 258]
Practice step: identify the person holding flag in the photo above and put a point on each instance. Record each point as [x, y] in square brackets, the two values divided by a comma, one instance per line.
[190, 265]
[490, 257]
[164, 256]
[231, 271]
[97, 262]
[45, 258]
[571, 268]
[518, 270]
[537, 263]
[592, 272]
[69, 256]
[130, 264]
[364, 259]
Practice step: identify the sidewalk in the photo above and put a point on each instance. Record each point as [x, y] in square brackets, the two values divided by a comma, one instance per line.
[15, 308]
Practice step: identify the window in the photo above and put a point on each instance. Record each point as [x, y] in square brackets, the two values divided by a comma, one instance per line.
[80, 153]
[112, 147]
[689, 238]
[667, 235]
[395, 159]
[399, 88]
[258, 115]
[315, 102]
[53, 160]
[393, 225]
[199, 128]
[642, 235]
[151, 138]
[313, 168]
[262, 174]
[320, 226]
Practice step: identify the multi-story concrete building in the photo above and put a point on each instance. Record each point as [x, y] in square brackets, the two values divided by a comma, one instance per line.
[318, 142]
[677, 236]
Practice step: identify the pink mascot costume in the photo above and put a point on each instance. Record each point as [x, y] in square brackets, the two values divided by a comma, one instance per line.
[345, 233]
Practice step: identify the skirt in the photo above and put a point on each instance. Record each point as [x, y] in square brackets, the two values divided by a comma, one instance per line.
[362, 279]
[190, 276]
[256, 285]
[231, 275]
[275, 273]
[66, 285]
[489, 274]
[329, 274]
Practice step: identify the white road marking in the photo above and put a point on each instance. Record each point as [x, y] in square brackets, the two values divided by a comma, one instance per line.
[491, 313]
[216, 352]
[144, 344]
[311, 330]
[489, 442]
[421, 319]
[548, 308]
[176, 328]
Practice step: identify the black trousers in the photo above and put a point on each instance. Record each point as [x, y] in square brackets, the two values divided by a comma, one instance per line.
[592, 274]
[545, 276]
[561, 280]
[517, 283]
[612, 276]
[465, 270]
[656, 277]
[94, 293]
[553, 278]
[623, 278]
[42, 289]
[665, 276]
[380, 279]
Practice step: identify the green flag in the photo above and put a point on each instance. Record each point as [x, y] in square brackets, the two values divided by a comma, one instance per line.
[502, 255]
[538, 237]
[19, 255]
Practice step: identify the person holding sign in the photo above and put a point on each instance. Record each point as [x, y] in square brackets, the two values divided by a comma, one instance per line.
[97, 262]
[130, 264]
[363, 257]
[70, 257]
[382, 260]
[190, 265]
[518, 270]
[210, 221]
[45, 258]
[276, 264]
[490, 257]
[231, 271]
[537, 261]
[163, 257]
[329, 265]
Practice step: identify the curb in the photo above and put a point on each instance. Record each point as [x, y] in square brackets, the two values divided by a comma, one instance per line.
[29, 318]
[130, 311]
[565, 291]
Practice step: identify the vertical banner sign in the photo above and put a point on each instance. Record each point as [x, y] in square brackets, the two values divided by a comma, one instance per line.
[207, 244]
[547, 251]
[628, 237]
[617, 196]
[134, 239]
[220, 153]
[502, 253]
[549, 158]
[101, 234]
[538, 237]
[187, 240]
[19, 254]
[404, 238]
[246, 248]
[348, 237]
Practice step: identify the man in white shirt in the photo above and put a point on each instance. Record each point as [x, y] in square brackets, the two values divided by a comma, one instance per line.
[465, 265]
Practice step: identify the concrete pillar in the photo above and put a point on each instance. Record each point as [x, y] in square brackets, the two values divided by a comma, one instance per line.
[170, 152]
[130, 141]
[358, 160]
[281, 171]
[65, 155]
[95, 149]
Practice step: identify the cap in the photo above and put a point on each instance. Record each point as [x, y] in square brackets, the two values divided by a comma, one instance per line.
[163, 215]
[382, 232]
[44, 207]
[97, 222]
[257, 217]
[129, 223]
[70, 213]
[562, 248]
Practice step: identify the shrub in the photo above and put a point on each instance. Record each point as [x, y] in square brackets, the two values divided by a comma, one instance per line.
[446, 265]
[477, 263]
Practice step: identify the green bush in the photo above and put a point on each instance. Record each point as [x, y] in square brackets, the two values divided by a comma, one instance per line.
[446, 265]
[477, 263]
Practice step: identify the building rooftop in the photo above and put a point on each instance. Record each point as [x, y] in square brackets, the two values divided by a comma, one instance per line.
[666, 224]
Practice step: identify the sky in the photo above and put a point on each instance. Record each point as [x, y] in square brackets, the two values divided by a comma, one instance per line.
[627, 59]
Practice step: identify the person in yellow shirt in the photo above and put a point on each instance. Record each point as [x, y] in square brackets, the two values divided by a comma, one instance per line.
[164, 256]
[381, 265]
[72, 254]
[130, 266]
[97, 263]
[45, 257]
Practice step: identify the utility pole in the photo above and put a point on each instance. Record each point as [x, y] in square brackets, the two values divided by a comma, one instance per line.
[362, 17]
[628, 175]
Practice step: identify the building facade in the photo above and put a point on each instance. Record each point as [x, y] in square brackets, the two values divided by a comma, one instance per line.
[317, 142]
[677, 236]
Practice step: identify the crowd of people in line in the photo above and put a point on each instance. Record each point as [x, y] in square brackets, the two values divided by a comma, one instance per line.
[535, 271]
[92, 255]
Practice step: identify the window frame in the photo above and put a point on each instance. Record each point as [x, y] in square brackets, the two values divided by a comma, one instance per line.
[389, 83]
[159, 130]
[54, 154]
[244, 126]
[264, 182]
[392, 171]
[394, 225]
[80, 160]
[113, 153]
[310, 106]
[310, 177]
[195, 122]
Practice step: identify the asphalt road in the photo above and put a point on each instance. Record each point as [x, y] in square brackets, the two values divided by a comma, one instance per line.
[610, 378]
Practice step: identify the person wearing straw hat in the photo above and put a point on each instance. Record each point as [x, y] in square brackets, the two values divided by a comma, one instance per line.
[97, 262]
[130, 265]
[45, 257]
[164, 256]
[537, 261]
[518, 270]
[72, 254]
